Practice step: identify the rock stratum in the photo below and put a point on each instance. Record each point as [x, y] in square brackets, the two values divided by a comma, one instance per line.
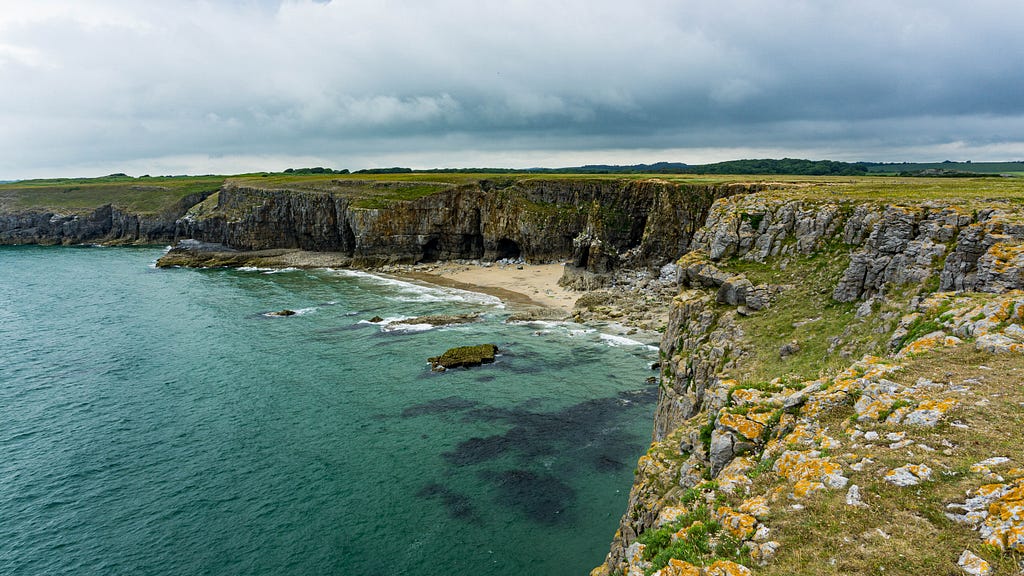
[841, 367]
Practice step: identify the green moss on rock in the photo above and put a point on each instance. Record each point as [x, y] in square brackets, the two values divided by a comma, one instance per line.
[464, 356]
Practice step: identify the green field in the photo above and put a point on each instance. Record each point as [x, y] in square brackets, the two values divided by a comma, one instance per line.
[140, 195]
[146, 195]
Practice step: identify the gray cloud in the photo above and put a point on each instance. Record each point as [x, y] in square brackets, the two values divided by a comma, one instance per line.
[221, 86]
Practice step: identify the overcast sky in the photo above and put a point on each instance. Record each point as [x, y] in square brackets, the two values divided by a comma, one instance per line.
[90, 87]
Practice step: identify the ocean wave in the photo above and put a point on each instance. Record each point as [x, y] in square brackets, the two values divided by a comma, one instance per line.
[617, 341]
[412, 292]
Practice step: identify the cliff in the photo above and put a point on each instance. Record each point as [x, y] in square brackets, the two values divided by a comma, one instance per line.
[108, 210]
[598, 223]
[837, 375]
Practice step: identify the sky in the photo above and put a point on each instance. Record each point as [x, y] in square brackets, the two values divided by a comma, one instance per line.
[93, 87]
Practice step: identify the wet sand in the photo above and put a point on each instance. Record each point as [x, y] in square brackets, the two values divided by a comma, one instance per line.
[532, 284]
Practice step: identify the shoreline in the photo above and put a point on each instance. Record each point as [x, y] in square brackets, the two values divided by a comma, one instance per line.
[635, 308]
[531, 285]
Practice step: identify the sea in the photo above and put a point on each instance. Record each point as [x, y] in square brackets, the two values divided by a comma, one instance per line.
[162, 421]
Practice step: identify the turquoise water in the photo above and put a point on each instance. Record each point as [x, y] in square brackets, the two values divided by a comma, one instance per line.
[157, 422]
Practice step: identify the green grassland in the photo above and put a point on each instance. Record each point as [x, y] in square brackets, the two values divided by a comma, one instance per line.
[79, 195]
[152, 195]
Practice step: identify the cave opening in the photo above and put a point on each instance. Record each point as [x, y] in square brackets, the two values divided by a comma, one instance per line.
[508, 249]
[431, 250]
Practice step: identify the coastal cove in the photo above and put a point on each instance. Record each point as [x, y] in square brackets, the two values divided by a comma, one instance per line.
[159, 421]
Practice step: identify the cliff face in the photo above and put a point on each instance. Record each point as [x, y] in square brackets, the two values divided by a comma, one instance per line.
[777, 296]
[104, 224]
[596, 222]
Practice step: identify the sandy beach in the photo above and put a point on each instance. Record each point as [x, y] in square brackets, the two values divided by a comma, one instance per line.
[533, 284]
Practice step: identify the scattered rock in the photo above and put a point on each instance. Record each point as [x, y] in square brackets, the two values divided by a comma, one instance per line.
[909, 475]
[376, 320]
[973, 565]
[853, 497]
[789, 348]
[285, 312]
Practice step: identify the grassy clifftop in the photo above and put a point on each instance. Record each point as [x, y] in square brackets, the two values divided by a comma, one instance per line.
[80, 195]
[147, 195]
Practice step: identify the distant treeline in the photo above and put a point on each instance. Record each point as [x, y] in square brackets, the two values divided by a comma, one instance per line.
[793, 166]
[764, 166]
[317, 170]
[947, 168]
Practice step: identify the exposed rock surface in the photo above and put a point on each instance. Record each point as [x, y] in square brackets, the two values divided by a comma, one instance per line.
[599, 223]
[710, 432]
[890, 243]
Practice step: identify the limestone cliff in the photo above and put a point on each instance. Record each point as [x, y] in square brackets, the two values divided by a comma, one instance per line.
[764, 409]
[107, 223]
[598, 223]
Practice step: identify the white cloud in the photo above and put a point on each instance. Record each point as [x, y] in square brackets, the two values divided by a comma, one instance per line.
[118, 82]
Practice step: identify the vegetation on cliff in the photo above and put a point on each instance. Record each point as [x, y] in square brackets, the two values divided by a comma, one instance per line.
[824, 408]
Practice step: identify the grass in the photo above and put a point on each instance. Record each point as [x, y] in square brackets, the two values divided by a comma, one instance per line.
[151, 195]
[805, 312]
[829, 538]
[81, 195]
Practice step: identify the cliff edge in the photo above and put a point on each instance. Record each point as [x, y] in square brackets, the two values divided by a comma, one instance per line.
[840, 392]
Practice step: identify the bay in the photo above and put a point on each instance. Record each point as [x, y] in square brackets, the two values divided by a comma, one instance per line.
[160, 422]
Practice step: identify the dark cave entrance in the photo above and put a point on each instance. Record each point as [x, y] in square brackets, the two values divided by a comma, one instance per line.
[508, 249]
[431, 250]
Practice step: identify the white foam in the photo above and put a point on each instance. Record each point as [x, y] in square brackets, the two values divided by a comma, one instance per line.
[412, 292]
[617, 341]
[280, 270]
[399, 327]
[253, 269]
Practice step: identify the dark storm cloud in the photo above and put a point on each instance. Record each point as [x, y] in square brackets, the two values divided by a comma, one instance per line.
[221, 86]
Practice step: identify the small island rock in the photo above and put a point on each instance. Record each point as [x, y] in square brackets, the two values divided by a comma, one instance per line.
[463, 356]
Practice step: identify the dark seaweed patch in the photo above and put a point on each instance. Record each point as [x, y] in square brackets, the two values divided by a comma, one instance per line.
[459, 506]
[604, 463]
[542, 498]
[476, 450]
[439, 406]
[583, 429]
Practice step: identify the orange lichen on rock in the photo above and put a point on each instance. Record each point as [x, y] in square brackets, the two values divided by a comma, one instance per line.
[740, 424]
[677, 567]
[738, 524]
[757, 506]
[727, 568]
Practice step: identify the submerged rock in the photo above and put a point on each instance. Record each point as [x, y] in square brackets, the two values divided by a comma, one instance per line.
[443, 319]
[464, 356]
